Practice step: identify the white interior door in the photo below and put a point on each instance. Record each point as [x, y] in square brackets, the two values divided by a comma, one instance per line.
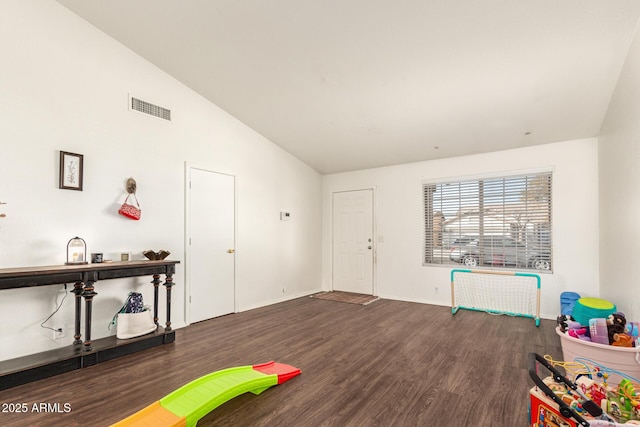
[211, 240]
[353, 241]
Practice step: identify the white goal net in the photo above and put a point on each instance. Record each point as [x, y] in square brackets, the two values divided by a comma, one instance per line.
[514, 294]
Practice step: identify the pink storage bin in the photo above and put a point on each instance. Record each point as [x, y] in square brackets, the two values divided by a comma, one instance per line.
[623, 359]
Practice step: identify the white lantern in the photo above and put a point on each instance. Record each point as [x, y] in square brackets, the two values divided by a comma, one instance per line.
[76, 251]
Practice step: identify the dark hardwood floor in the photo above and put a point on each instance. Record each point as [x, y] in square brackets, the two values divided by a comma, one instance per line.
[390, 363]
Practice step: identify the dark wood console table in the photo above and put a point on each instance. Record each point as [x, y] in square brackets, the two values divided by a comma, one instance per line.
[85, 353]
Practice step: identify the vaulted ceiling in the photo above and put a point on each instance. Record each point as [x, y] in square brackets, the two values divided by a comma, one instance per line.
[353, 84]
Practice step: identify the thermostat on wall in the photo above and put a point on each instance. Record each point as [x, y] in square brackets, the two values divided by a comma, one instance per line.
[284, 216]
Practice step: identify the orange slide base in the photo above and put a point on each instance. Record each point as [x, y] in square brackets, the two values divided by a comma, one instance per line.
[152, 416]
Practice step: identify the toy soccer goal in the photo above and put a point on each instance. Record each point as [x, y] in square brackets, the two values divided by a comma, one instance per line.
[497, 292]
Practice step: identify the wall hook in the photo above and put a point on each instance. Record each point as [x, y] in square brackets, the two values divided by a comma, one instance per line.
[131, 186]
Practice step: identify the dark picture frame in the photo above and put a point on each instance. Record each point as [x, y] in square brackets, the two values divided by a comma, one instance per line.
[71, 170]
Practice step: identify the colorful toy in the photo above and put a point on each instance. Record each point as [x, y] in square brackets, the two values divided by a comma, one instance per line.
[188, 404]
[563, 401]
[553, 398]
[580, 333]
[616, 323]
[622, 340]
[632, 329]
[599, 331]
[627, 394]
[567, 302]
[573, 328]
[592, 308]
[566, 322]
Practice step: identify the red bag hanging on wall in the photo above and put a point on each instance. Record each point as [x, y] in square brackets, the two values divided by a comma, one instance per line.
[130, 211]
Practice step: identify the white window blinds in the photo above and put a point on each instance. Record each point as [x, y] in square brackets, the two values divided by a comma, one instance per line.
[502, 222]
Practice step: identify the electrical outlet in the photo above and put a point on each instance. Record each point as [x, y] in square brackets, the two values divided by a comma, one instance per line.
[59, 332]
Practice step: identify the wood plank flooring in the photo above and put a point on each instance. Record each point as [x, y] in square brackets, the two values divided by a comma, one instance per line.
[391, 363]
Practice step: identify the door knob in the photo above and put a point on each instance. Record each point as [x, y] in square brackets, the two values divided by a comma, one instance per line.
[231, 251]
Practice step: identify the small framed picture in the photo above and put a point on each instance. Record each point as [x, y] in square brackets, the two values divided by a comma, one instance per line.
[71, 171]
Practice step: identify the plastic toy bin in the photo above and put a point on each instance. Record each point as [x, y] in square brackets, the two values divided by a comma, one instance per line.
[623, 359]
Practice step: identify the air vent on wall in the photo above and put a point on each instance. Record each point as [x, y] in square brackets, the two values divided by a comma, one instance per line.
[149, 108]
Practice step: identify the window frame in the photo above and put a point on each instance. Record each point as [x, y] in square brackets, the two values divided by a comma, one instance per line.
[520, 210]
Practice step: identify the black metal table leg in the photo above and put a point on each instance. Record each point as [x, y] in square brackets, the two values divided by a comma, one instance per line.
[168, 284]
[77, 291]
[88, 293]
[156, 285]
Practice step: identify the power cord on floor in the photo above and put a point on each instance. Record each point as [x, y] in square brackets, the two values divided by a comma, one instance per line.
[42, 325]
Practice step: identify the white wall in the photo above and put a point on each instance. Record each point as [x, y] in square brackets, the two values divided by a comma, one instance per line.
[400, 219]
[619, 160]
[64, 86]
